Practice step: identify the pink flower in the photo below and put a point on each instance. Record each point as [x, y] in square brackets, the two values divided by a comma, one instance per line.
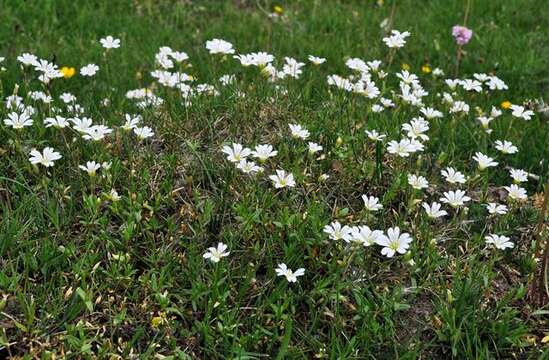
[461, 34]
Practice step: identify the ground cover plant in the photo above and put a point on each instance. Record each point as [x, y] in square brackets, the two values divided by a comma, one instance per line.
[249, 179]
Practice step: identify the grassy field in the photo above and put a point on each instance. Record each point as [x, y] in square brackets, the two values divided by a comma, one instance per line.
[110, 264]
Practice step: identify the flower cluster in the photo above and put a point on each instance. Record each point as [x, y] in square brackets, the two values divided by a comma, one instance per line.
[446, 194]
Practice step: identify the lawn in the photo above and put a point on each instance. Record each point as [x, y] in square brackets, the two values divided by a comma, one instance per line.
[396, 210]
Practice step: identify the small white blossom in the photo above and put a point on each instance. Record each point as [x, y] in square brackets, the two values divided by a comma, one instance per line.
[433, 211]
[338, 232]
[500, 242]
[455, 198]
[394, 242]
[282, 179]
[46, 158]
[89, 70]
[291, 276]
[299, 132]
[110, 43]
[91, 167]
[515, 192]
[371, 203]
[494, 208]
[484, 161]
[214, 254]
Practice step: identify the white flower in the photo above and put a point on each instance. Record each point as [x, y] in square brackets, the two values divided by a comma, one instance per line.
[416, 128]
[57, 122]
[494, 208]
[394, 242]
[96, 132]
[397, 39]
[236, 153]
[46, 158]
[164, 60]
[521, 112]
[452, 83]
[113, 195]
[340, 82]
[377, 108]
[431, 113]
[403, 148]
[506, 147]
[518, 175]
[215, 254]
[453, 176]
[374, 135]
[433, 211]
[374, 64]
[481, 77]
[495, 112]
[438, 72]
[282, 179]
[91, 167]
[106, 165]
[415, 145]
[365, 236]
[299, 132]
[471, 85]
[283, 270]
[262, 59]
[217, 46]
[89, 70]
[387, 102]
[67, 98]
[500, 242]
[179, 56]
[18, 121]
[516, 192]
[417, 182]
[131, 121]
[357, 64]
[314, 148]
[143, 132]
[81, 124]
[27, 59]
[371, 203]
[316, 60]
[408, 78]
[455, 198]
[367, 88]
[264, 152]
[484, 161]
[338, 232]
[245, 59]
[459, 106]
[485, 121]
[292, 67]
[249, 167]
[110, 43]
[495, 83]
[227, 79]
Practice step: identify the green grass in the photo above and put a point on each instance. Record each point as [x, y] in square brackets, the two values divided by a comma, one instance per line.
[84, 277]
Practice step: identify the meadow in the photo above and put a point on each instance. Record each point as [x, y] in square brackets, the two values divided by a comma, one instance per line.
[292, 180]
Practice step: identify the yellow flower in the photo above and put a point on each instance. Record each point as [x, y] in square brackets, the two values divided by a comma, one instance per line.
[426, 69]
[159, 320]
[68, 72]
[278, 9]
[506, 104]
[405, 66]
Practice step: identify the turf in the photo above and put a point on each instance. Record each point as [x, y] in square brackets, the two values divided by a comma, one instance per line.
[84, 277]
